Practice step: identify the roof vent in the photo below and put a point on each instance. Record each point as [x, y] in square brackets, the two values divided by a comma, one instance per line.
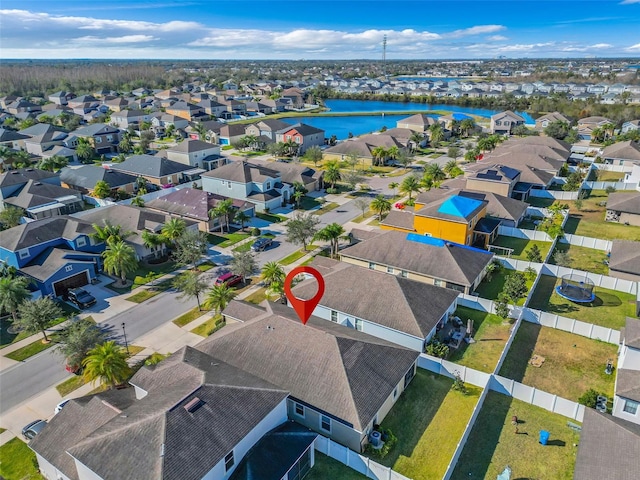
[29, 169]
[38, 183]
[193, 405]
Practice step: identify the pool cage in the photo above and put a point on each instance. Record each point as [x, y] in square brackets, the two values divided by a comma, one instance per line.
[576, 288]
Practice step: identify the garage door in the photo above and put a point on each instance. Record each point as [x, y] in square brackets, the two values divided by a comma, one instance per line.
[78, 280]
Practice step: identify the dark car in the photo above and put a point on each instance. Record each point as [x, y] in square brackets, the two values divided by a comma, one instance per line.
[228, 279]
[81, 298]
[33, 429]
[261, 244]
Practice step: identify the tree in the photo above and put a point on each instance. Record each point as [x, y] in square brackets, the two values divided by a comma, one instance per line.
[394, 186]
[379, 155]
[84, 150]
[10, 217]
[410, 185]
[562, 258]
[573, 182]
[242, 218]
[332, 233]
[106, 363]
[453, 152]
[190, 285]
[301, 228]
[37, 315]
[125, 145]
[153, 241]
[53, 164]
[515, 287]
[467, 125]
[313, 154]
[352, 178]
[502, 306]
[190, 247]
[417, 138]
[534, 254]
[224, 210]
[102, 189]
[173, 229]
[557, 129]
[435, 172]
[436, 134]
[120, 260]
[352, 160]
[332, 173]
[244, 264]
[78, 338]
[291, 147]
[381, 205]
[13, 291]
[404, 157]
[109, 233]
[362, 203]
[219, 297]
[272, 272]
[138, 201]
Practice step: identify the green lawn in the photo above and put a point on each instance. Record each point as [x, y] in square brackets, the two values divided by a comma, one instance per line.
[227, 239]
[189, 317]
[583, 258]
[271, 217]
[257, 297]
[147, 273]
[18, 461]
[362, 218]
[491, 289]
[212, 325]
[69, 385]
[245, 247]
[608, 176]
[493, 443]
[572, 363]
[609, 309]
[295, 256]
[428, 419]
[520, 247]
[326, 468]
[29, 350]
[491, 335]
[7, 338]
[540, 202]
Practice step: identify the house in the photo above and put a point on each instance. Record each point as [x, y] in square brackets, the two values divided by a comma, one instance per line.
[498, 179]
[135, 220]
[290, 173]
[195, 205]
[420, 258]
[249, 181]
[156, 170]
[211, 131]
[623, 208]
[57, 253]
[13, 181]
[185, 110]
[304, 135]
[103, 138]
[503, 123]
[630, 126]
[295, 96]
[117, 104]
[197, 154]
[626, 401]
[390, 307]
[38, 144]
[362, 147]
[212, 108]
[622, 153]
[609, 448]
[545, 120]
[266, 128]
[10, 138]
[624, 260]
[419, 122]
[84, 179]
[231, 134]
[161, 121]
[326, 368]
[129, 118]
[40, 200]
[191, 417]
[588, 124]
[60, 98]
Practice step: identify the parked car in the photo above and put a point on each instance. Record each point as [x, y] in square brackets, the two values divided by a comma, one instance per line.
[261, 244]
[228, 279]
[33, 429]
[60, 406]
[72, 367]
[81, 298]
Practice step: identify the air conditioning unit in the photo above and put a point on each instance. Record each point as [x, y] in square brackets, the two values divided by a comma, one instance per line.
[375, 438]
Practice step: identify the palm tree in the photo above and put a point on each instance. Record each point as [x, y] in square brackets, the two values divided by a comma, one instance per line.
[427, 182]
[226, 210]
[298, 196]
[381, 205]
[394, 186]
[272, 272]
[106, 363]
[291, 147]
[379, 154]
[250, 141]
[242, 218]
[21, 159]
[393, 152]
[13, 291]
[449, 166]
[138, 201]
[37, 315]
[436, 134]
[84, 150]
[332, 173]
[467, 125]
[152, 241]
[410, 185]
[434, 170]
[417, 138]
[173, 229]
[191, 285]
[125, 145]
[332, 233]
[219, 297]
[54, 163]
[120, 259]
[109, 233]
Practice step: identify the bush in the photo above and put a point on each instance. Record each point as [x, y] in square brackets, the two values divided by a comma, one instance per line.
[589, 398]
[389, 440]
[255, 232]
[332, 190]
[610, 189]
[436, 349]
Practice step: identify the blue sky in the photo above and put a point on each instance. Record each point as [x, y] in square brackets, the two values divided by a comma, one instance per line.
[238, 29]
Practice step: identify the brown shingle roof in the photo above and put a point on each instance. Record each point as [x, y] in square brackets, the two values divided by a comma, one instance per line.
[632, 333]
[243, 172]
[399, 219]
[628, 150]
[625, 256]
[624, 202]
[628, 384]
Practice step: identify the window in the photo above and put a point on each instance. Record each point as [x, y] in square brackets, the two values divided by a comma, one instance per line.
[268, 185]
[299, 409]
[325, 423]
[334, 316]
[68, 268]
[359, 324]
[81, 242]
[228, 461]
[409, 375]
[23, 253]
[228, 184]
[389, 269]
[630, 407]
[404, 274]
[372, 266]
[395, 393]
[439, 283]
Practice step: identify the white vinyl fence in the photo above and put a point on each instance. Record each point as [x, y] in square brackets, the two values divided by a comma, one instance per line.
[554, 194]
[355, 461]
[602, 281]
[539, 398]
[449, 369]
[588, 242]
[613, 168]
[604, 185]
[571, 325]
[523, 233]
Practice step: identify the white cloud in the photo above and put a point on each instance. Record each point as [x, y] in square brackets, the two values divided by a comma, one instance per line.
[601, 45]
[123, 39]
[633, 48]
[497, 38]
[477, 30]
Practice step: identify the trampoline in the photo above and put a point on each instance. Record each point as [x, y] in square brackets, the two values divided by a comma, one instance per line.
[576, 288]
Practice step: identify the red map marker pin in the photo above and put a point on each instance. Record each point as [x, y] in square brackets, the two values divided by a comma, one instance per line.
[304, 308]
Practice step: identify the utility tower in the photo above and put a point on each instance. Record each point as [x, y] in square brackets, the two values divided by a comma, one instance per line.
[384, 55]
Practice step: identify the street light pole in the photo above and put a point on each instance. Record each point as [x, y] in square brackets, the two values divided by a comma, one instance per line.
[126, 345]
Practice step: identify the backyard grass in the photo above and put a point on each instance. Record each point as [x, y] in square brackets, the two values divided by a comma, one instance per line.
[271, 217]
[609, 309]
[328, 468]
[428, 419]
[520, 247]
[29, 350]
[212, 325]
[190, 316]
[493, 443]
[18, 461]
[572, 363]
[589, 221]
[69, 385]
[491, 289]
[583, 258]
[2, 430]
[245, 247]
[540, 202]
[607, 176]
[491, 335]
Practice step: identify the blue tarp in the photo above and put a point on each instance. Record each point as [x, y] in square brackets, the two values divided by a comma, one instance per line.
[459, 206]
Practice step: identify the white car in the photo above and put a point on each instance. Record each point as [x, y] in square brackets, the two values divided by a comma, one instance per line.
[60, 406]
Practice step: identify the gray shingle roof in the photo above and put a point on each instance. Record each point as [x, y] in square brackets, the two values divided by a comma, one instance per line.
[41, 231]
[189, 146]
[625, 256]
[192, 203]
[291, 172]
[150, 166]
[243, 172]
[389, 300]
[95, 129]
[344, 372]
[631, 333]
[302, 128]
[23, 175]
[609, 448]
[88, 175]
[628, 384]
[37, 193]
[243, 311]
[53, 259]
[453, 263]
[629, 150]
[624, 202]
[400, 219]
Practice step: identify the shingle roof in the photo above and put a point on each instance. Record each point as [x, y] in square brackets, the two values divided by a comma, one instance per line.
[151, 166]
[628, 384]
[632, 333]
[389, 300]
[41, 231]
[10, 135]
[400, 219]
[95, 129]
[419, 119]
[291, 172]
[346, 373]
[497, 173]
[243, 311]
[302, 128]
[507, 113]
[624, 202]
[88, 175]
[23, 175]
[53, 259]
[243, 172]
[34, 194]
[625, 256]
[192, 203]
[188, 146]
[39, 129]
[628, 150]
[609, 448]
[450, 262]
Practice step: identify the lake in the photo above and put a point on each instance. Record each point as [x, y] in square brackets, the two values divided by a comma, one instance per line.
[341, 126]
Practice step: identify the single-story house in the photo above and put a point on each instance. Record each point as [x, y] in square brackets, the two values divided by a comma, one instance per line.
[156, 170]
[624, 260]
[623, 208]
[13, 181]
[41, 200]
[84, 179]
[622, 153]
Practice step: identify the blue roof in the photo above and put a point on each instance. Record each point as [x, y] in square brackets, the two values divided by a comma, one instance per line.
[458, 206]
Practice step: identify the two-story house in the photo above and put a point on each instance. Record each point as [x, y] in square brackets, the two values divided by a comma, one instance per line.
[13, 181]
[185, 110]
[498, 179]
[545, 120]
[304, 135]
[156, 170]
[40, 200]
[503, 123]
[129, 118]
[103, 138]
[197, 154]
[626, 401]
[85, 178]
[266, 129]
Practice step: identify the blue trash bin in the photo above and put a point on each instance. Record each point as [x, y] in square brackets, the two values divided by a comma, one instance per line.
[544, 437]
